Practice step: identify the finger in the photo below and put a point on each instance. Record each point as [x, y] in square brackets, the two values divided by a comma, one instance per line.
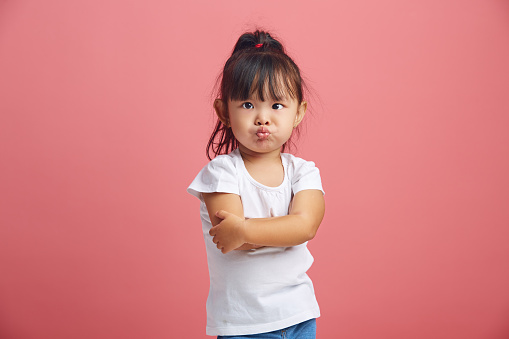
[212, 231]
[221, 214]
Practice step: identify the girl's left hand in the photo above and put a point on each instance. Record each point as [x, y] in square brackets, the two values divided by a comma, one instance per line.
[229, 234]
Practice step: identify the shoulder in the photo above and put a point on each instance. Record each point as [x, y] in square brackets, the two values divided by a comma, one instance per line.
[228, 162]
[222, 165]
[303, 174]
[219, 175]
[296, 164]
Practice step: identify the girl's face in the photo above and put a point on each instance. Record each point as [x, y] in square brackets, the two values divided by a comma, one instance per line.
[261, 126]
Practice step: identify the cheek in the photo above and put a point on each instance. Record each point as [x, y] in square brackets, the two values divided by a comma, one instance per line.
[287, 123]
[239, 127]
[237, 123]
[285, 132]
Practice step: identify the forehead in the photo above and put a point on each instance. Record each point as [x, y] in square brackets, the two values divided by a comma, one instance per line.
[273, 86]
[279, 93]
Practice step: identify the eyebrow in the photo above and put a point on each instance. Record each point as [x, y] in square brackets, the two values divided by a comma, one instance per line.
[269, 97]
[283, 99]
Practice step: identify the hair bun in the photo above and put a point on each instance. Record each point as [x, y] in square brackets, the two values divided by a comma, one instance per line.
[260, 40]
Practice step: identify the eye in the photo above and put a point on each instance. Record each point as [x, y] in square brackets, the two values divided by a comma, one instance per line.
[277, 106]
[247, 105]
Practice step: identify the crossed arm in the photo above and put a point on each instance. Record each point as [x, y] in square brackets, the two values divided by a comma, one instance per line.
[231, 231]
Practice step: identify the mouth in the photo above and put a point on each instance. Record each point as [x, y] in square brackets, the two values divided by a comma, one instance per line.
[263, 133]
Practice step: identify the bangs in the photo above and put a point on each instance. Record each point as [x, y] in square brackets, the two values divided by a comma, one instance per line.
[264, 75]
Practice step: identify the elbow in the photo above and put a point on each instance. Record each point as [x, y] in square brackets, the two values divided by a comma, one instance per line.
[311, 234]
[310, 227]
[313, 228]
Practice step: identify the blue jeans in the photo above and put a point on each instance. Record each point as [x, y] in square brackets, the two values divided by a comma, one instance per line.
[304, 330]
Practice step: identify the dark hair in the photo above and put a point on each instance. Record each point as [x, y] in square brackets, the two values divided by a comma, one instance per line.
[258, 65]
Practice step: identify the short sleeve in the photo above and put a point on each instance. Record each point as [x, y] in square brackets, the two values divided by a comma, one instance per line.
[306, 176]
[219, 175]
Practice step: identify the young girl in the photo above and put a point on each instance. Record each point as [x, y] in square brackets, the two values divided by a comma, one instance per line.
[259, 207]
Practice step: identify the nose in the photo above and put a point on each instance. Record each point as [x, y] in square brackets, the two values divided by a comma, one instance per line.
[262, 119]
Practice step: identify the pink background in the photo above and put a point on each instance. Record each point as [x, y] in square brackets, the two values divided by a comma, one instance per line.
[105, 113]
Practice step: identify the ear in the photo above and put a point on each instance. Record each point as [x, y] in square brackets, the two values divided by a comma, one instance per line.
[301, 111]
[221, 111]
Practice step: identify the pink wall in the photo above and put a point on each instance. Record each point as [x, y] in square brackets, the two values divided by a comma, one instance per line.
[105, 112]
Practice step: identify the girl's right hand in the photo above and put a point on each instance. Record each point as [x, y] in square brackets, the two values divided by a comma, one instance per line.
[229, 234]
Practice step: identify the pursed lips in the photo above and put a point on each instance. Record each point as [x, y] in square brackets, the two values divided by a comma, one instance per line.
[262, 133]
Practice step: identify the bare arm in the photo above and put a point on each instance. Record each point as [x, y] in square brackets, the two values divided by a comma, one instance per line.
[300, 225]
[231, 202]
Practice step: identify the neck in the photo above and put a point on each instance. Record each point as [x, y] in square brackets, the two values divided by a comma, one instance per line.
[255, 157]
[265, 168]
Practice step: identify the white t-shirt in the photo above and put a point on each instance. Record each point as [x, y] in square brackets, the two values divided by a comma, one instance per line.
[265, 289]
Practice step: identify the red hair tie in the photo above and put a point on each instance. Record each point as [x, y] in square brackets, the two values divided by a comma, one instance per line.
[258, 45]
